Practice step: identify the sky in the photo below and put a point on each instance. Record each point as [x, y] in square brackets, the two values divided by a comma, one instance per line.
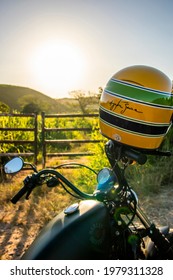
[57, 46]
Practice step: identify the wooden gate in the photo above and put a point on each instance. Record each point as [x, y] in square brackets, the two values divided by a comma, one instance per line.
[56, 142]
[42, 141]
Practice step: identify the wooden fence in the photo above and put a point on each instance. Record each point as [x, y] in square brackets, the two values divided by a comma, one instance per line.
[60, 142]
[42, 137]
[10, 130]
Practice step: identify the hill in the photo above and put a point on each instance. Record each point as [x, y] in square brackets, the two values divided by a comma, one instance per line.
[16, 97]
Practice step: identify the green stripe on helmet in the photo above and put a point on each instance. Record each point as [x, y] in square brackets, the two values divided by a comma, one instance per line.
[139, 94]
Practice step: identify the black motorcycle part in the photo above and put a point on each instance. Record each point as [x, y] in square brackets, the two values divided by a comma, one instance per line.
[152, 253]
[84, 234]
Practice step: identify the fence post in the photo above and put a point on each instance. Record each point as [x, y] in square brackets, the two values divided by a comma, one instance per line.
[43, 139]
[35, 137]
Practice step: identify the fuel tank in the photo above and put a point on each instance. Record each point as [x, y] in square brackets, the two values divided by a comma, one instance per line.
[82, 233]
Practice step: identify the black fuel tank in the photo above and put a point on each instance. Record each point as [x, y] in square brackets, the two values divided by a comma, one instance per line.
[83, 234]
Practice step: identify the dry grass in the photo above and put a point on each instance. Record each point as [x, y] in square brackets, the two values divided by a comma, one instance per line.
[20, 223]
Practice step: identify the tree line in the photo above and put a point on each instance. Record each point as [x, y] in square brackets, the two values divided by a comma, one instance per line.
[78, 101]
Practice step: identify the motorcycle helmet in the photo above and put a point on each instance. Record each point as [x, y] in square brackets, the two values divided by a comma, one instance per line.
[136, 107]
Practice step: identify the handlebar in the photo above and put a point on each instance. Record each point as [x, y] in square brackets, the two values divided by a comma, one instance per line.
[66, 181]
[114, 152]
[135, 155]
[18, 196]
[31, 182]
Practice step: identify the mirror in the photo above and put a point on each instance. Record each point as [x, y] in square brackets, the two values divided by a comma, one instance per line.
[13, 166]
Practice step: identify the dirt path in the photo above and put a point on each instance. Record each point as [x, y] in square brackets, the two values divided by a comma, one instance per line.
[17, 233]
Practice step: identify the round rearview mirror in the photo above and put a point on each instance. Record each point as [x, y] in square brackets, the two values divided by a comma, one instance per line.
[13, 166]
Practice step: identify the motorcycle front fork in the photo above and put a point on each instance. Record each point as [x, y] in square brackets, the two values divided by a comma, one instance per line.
[160, 241]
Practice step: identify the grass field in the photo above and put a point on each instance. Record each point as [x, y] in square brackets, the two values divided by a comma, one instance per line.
[20, 223]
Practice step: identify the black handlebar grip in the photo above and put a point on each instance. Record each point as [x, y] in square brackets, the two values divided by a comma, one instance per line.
[137, 156]
[19, 195]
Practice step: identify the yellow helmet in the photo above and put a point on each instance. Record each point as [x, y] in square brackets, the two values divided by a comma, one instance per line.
[136, 107]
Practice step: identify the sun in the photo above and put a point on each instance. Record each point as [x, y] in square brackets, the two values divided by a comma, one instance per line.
[58, 67]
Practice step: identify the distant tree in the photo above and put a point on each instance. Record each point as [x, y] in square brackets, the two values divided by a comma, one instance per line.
[41, 105]
[4, 108]
[31, 108]
[100, 91]
[85, 99]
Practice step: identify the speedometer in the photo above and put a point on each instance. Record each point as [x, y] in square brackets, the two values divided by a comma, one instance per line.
[104, 175]
[106, 180]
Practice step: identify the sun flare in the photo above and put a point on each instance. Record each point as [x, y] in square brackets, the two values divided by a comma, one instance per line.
[58, 66]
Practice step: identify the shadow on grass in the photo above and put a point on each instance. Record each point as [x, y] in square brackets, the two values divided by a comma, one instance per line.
[17, 230]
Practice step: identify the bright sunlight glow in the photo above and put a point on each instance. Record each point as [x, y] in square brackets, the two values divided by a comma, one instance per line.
[58, 67]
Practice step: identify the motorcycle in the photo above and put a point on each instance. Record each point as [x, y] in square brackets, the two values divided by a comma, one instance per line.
[107, 224]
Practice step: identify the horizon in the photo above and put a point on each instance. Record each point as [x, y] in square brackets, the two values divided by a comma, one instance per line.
[62, 97]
